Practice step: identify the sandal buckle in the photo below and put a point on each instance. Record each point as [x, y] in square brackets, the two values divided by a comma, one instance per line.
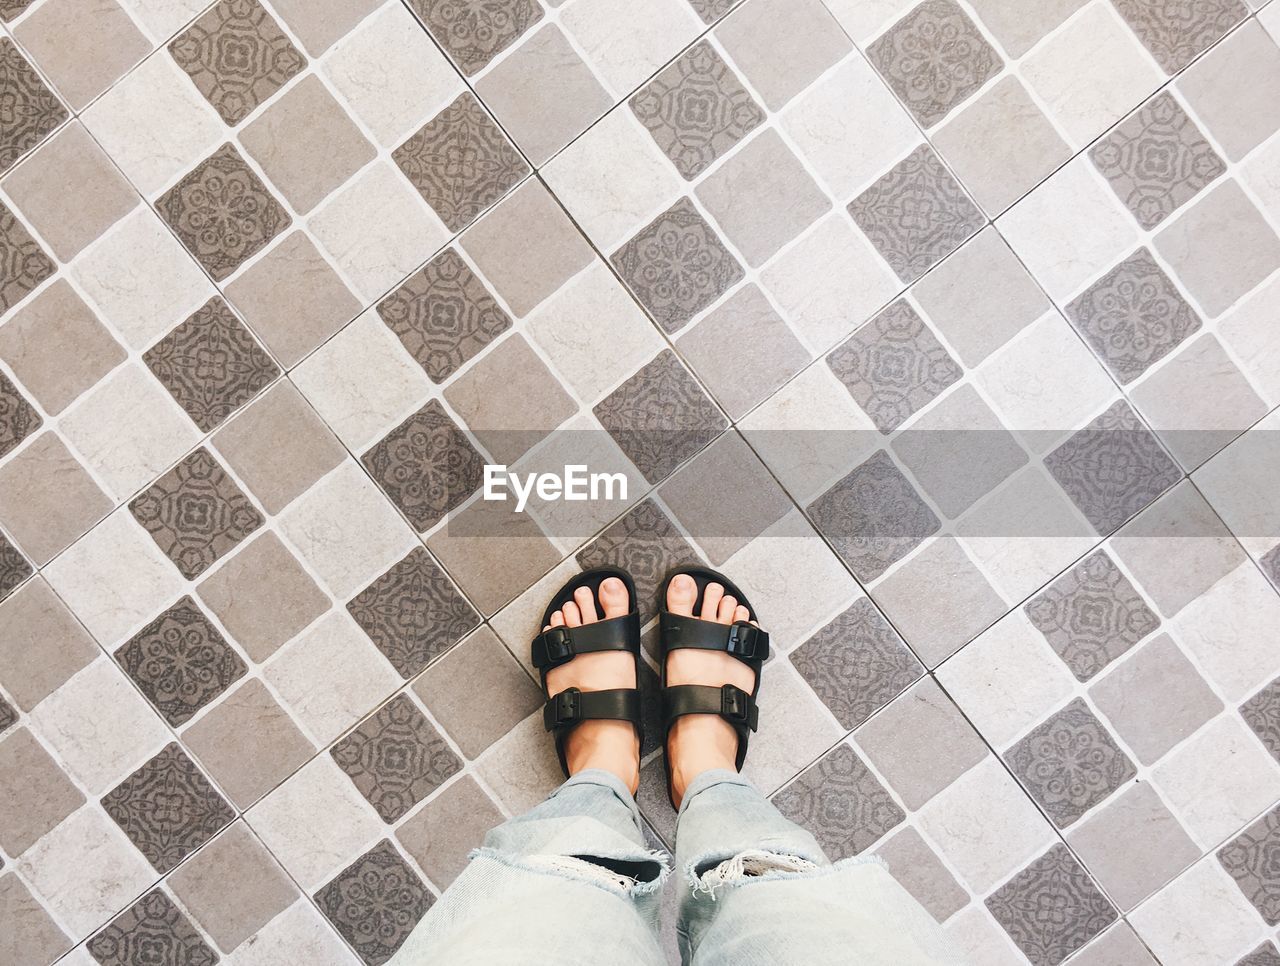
[567, 707]
[556, 646]
[734, 704]
[742, 642]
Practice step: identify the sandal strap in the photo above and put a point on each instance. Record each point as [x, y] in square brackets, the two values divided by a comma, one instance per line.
[731, 703]
[560, 645]
[571, 707]
[742, 640]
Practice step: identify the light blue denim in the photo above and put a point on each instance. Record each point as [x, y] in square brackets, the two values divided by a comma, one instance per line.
[538, 892]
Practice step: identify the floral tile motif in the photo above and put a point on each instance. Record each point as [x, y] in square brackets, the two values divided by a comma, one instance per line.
[237, 56]
[873, 517]
[8, 716]
[14, 568]
[413, 613]
[23, 263]
[31, 110]
[167, 808]
[677, 265]
[660, 417]
[461, 162]
[1252, 858]
[375, 903]
[1176, 31]
[1091, 615]
[1264, 955]
[934, 58]
[223, 212]
[18, 418]
[893, 366]
[426, 465]
[916, 214]
[10, 9]
[396, 758]
[444, 315]
[180, 662]
[475, 32]
[195, 513]
[841, 803]
[153, 930]
[1051, 908]
[211, 364]
[1157, 160]
[711, 10]
[1262, 713]
[696, 110]
[1112, 468]
[1070, 763]
[1133, 316]
[857, 664]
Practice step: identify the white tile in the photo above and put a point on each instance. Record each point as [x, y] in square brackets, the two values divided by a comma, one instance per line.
[1261, 173]
[86, 871]
[362, 382]
[613, 179]
[1218, 780]
[377, 230]
[298, 935]
[1250, 333]
[1007, 680]
[163, 18]
[141, 278]
[1013, 831]
[115, 578]
[100, 726]
[391, 74]
[980, 939]
[521, 767]
[1240, 485]
[154, 123]
[521, 619]
[1200, 919]
[1069, 230]
[864, 20]
[347, 530]
[129, 430]
[850, 127]
[796, 729]
[627, 42]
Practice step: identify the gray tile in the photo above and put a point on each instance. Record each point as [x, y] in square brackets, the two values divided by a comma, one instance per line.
[1091, 615]
[712, 10]
[873, 517]
[35, 110]
[152, 929]
[1264, 955]
[1235, 89]
[1070, 763]
[31, 935]
[1270, 564]
[41, 644]
[8, 715]
[1176, 31]
[25, 264]
[35, 794]
[1019, 26]
[1262, 713]
[1251, 859]
[440, 835]
[475, 33]
[18, 418]
[1053, 881]
[1118, 946]
[919, 870]
[1133, 316]
[375, 903]
[14, 568]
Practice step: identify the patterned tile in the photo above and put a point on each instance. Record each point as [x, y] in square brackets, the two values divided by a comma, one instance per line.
[1176, 31]
[873, 517]
[181, 662]
[14, 568]
[916, 214]
[934, 58]
[237, 56]
[477, 31]
[1070, 763]
[677, 265]
[8, 715]
[1264, 955]
[1112, 468]
[856, 664]
[1091, 615]
[396, 758]
[153, 930]
[223, 212]
[1270, 564]
[842, 803]
[1262, 714]
[31, 109]
[375, 903]
[168, 808]
[1157, 160]
[696, 110]
[660, 417]
[211, 364]
[1252, 858]
[413, 613]
[460, 162]
[1051, 908]
[23, 263]
[1133, 316]
[712, 10]
[18, 418]
[444, 315]
[426, 465]
[195, 513]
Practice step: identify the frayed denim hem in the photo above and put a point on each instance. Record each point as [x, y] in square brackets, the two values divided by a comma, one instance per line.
[594, 875]
[712, 862]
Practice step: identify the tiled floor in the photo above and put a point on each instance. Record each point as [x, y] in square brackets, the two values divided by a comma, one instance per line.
[950, 329]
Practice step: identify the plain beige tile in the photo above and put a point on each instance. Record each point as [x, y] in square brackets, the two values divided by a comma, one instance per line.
[48, 499]
[82, 62]
[41, 644]
[35, 794]
[1235, 89]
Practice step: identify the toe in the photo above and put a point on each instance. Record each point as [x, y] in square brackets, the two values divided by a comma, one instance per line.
[681, 594]
[711, 598]
[557, 619]
[586, 602]
[724, 613]
[613, 598]
[741, 614]
[572, 616]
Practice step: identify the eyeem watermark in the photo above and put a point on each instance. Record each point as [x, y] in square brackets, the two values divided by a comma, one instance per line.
[575, 484]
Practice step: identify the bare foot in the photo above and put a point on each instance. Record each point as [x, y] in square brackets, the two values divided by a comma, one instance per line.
[611, 745]
[698, 742]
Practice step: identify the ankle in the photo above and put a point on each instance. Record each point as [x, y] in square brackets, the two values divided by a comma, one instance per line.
[611, 746]
[699, 743]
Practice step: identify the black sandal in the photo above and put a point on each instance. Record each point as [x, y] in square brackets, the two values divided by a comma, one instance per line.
[559, 645]
[747, 642]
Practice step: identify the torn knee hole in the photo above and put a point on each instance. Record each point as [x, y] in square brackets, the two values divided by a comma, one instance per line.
[754, 863]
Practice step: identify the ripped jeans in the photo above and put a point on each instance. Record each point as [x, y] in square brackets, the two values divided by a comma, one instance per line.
[572, 882]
